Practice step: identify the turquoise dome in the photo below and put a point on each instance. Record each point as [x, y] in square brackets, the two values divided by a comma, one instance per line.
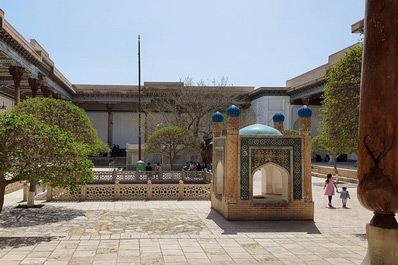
[259, 129]
[278, 117]
[305, 112]
[233, 111]
[217, 117]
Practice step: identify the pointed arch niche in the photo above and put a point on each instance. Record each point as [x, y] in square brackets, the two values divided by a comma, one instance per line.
[271, 185]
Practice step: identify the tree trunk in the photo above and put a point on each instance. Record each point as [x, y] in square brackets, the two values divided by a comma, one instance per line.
[171, 163]
[2, 193]
[336, 172]
[31, 196]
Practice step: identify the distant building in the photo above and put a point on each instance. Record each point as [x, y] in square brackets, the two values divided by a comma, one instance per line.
[26, 70]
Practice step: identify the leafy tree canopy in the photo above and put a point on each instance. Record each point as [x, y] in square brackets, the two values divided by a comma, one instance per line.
[340, 105]
[290, 132]
[68, 117]
[192, 105]
[318, 144]
[34, 151]
[171, 141]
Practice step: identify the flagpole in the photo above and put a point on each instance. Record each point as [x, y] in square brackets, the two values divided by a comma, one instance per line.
[139, 100]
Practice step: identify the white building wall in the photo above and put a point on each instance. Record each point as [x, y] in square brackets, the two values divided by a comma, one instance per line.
[315, 118]
[265, 108]
[125, 128]
[100, 122]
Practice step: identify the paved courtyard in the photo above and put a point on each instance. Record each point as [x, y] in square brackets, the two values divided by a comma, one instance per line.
[178, 232]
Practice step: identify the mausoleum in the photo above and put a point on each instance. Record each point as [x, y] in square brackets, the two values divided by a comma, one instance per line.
[283, 163]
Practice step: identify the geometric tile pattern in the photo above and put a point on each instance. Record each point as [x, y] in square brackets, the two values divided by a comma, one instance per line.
[255, 152]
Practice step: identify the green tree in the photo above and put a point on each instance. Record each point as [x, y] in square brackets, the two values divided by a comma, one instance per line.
[290, 132]
[340, 106]
[171, 141]
[68, 117]
[36, 152]
[318, 144]
[192, 104]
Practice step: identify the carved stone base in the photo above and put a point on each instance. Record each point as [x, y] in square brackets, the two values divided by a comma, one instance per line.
[382, 246]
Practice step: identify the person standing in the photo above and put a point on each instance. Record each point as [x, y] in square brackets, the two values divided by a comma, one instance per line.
[329, 186]
[148, 167]
[198, 167]
[158, 167]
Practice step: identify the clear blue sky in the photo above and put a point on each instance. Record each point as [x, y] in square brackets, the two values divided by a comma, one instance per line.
[253, 42]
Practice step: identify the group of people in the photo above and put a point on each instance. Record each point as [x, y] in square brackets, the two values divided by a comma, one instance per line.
[318, 158]
[115, 151]
[148, 167]
[329, 187]
[190, 166]
[196, 166]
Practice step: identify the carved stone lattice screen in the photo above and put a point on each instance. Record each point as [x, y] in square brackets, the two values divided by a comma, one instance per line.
[133, 192]
[127, 176]
[62, 194]
[165, 192]
[119, 191]
[196, 192]
[103, 176]
[99, 192]
[172, 176]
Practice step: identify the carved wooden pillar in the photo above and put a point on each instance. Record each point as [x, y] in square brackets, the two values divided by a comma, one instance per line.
[34, 86]
[109, 109]
[378, 130]
[46, 91]
[306, 101]
[16, 73]
[378, 125]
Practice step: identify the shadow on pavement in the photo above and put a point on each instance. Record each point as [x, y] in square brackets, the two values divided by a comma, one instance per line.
[17, 217]
[234, 227]
[17, 242]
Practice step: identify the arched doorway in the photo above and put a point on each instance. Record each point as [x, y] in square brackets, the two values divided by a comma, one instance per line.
[271, 185]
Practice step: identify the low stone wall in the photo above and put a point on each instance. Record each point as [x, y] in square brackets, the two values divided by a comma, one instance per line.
[348, 175]
[141, 177]
[119, 191]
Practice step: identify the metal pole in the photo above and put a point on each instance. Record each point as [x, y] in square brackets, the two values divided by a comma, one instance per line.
[139, 100]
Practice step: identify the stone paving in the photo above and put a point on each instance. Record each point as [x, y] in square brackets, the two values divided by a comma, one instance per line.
[178, 232]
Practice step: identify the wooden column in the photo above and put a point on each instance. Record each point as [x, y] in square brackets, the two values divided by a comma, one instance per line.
[378, 123]
[16, 73]
[378, 131]
[34, 86]
[109, 109]
[46, 91]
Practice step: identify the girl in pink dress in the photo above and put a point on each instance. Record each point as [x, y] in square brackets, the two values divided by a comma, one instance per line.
[330, 184]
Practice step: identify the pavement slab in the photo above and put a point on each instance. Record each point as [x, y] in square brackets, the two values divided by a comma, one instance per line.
[178, 232]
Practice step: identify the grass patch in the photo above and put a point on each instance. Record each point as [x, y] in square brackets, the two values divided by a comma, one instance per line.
[24, 206]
